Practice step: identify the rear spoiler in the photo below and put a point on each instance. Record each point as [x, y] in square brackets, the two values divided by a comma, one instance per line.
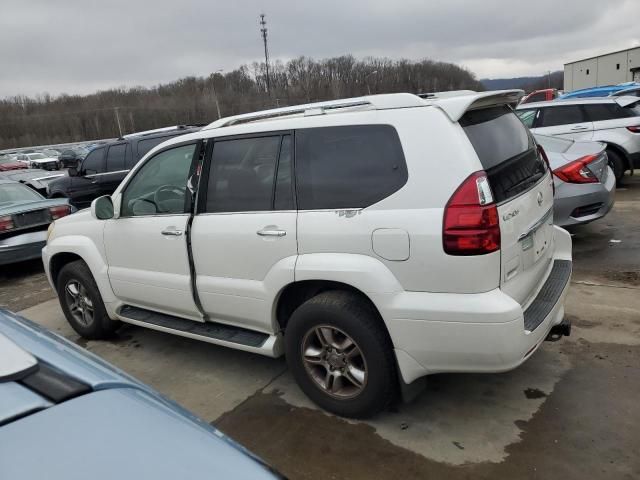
[626, 101]
[455, 106]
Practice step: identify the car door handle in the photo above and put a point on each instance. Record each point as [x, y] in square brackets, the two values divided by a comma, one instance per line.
[271, 233]
[171, 232]
[580, 127]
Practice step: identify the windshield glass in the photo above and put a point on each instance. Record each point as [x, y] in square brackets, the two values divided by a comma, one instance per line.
[554, 144]
[15, 193]
[36, 156]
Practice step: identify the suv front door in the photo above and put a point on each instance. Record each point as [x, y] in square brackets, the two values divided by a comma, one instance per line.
[244, 233]
[567, 121]
[146, 246]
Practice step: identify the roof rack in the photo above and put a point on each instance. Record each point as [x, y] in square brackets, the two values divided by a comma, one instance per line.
[154, 131]
[372, 102]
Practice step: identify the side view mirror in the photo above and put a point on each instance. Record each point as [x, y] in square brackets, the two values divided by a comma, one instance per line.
[72, 171]
[102, 208]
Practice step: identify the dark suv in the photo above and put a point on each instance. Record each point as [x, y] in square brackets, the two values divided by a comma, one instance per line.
[105, 167]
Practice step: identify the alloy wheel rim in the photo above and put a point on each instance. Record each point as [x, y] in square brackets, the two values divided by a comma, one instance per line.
[334, 361]
[80, 305]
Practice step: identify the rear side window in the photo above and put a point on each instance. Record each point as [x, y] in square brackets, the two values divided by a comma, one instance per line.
[115, 157]
[606, 111]
[506, 150]
[348, 167]
[242, 174]
[145, 146]
[552, 116]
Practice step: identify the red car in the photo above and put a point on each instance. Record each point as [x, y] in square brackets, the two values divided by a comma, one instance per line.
[541, 95]
[8, 163]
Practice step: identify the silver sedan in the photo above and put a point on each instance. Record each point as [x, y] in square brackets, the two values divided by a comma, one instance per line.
[585, 185]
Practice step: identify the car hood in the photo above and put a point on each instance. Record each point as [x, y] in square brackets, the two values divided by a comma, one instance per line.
[18, 207]
[120, 433]
[149, 435]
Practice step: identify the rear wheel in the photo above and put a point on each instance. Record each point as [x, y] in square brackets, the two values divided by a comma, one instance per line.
[340, 354]
[82, 304]
[617, 164]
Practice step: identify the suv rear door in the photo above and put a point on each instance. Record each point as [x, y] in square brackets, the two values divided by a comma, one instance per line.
[243, 235]
[565, 121]
[521, 186]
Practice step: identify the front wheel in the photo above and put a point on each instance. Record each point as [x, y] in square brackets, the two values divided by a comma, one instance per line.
[82, 304]
[340, 354]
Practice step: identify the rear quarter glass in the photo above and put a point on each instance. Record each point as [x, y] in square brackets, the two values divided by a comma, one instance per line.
[506, 150]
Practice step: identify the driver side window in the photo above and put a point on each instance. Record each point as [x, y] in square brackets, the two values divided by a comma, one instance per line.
[159, 187]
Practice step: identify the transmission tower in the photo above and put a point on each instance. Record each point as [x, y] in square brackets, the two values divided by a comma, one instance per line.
[263, 32]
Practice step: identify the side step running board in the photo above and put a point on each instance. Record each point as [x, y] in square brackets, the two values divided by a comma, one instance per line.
[235, 337]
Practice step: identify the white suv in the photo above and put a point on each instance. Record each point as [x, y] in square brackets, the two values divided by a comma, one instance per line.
[611, 120]
[373, 241]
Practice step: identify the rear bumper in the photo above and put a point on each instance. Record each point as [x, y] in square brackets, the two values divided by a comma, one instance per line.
[484, 332]
[22, 247]
[570, 198]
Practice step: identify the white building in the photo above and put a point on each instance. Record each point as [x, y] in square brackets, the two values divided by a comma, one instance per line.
[609, 69]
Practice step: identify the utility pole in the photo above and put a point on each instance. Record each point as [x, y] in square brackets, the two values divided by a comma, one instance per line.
[263, 32]
[115, 110]
[215, 95]
[549, 78]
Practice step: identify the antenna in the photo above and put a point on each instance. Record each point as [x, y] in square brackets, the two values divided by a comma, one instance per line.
[263, 32]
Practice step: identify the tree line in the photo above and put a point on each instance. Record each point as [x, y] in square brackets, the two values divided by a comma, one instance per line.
[47, 120]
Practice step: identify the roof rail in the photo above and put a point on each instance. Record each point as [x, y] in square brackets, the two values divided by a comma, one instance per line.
[373, 102]
[154, 131]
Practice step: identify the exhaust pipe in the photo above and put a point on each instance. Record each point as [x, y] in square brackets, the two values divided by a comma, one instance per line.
[563, 329]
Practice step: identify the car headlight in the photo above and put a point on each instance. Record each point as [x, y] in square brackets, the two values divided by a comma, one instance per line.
[52, 225]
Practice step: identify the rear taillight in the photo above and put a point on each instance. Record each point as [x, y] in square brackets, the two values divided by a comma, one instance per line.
[59, 211]
[6, 223]
[634, 129]
[577, 171]
[471, 225]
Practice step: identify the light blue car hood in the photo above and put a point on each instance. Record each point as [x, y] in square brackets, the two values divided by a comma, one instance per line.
[122, 429]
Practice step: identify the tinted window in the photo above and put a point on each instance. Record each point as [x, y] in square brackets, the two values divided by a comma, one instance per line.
[93, 163]
[606, 111]
[160, 184]
[242, 175]
[552, 116]
[146, 145]
[506, 150]
[528, 116]
[348, 167]
[284, 187]
[115, 157]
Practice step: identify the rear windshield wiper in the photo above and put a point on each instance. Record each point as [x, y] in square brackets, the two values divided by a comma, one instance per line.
[526, 182]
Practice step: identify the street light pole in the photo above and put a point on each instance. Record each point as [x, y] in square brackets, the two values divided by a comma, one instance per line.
[366, 80]
[215, 95]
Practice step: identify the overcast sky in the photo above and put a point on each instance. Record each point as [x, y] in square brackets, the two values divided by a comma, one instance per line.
[79, 46]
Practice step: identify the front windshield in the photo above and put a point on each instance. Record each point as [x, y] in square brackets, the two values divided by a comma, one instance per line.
[36, 156]
[17, 193]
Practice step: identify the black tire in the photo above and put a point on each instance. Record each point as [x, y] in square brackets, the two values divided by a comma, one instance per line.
[347, 313]
[100, 325]
[617, 165]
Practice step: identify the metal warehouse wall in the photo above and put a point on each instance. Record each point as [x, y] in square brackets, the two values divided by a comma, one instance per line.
[603, 70]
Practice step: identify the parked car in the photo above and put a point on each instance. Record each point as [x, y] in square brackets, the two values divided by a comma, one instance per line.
[540, 95]
[38, 160]
[585, 184]
[627, 92]
[10, 163]
[50, 152]
[334, 232]
[602, 91]
[25, 216]
[614, 121]
[62, 408]
[105, 167]
[32, 177]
